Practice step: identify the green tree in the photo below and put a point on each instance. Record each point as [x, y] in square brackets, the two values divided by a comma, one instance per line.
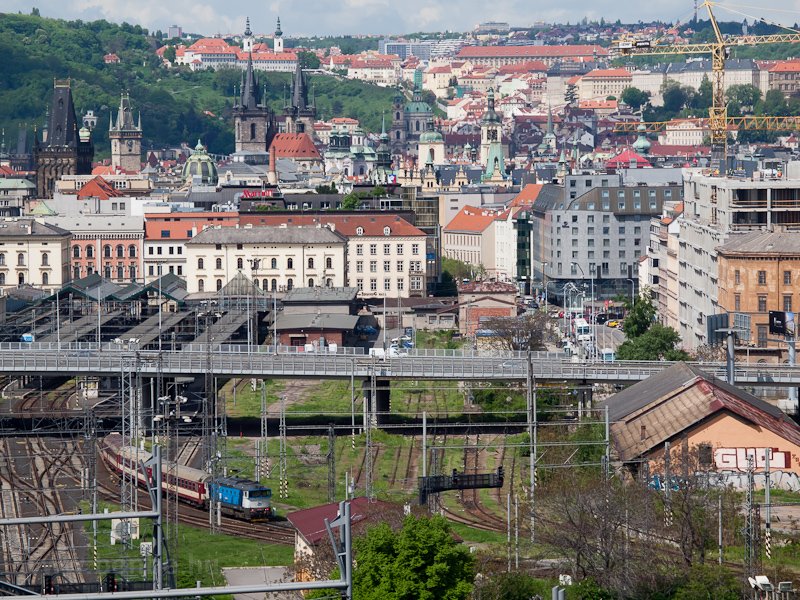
[640, 316]
[657, 343]
[742, 98]
[351, 201]
[675, 96]
[169, 54]
[634, 97]
[709, 581]
[704, 97]
[422, 561]
[308, 60]
[774, 104]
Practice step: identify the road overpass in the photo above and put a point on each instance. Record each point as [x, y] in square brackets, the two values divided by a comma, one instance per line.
[262, 362]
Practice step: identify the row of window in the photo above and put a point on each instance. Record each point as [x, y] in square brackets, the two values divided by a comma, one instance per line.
[21, 279]
[606, 254]
[158, 250]
[107, 250]
[21, 259]
[273, 263]
[762, 303]
[266, 284]
[414, 266]
[416, 284]
[387, 249]
[108, 271]
[762, 277]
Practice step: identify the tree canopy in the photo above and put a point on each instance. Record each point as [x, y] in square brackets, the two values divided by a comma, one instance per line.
[634, 97]
[646, 339]
[422, 561]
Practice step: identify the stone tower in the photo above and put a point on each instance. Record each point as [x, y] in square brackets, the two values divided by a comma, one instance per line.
[254, 123]
[65, 150]
[247, 39]
[126, 138]
[278, 48]
[491, 129]
[397, 130]
[300, 114]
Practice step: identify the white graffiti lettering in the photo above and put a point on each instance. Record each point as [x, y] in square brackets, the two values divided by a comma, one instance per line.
[731, 459]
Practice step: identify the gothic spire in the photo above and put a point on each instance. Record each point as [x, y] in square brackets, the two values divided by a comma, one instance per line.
[299, 89]
[251, 93]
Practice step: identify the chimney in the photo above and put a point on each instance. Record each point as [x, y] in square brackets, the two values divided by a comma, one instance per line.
[272, 175]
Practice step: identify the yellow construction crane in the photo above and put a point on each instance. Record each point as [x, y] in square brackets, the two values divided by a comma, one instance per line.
[718, 120]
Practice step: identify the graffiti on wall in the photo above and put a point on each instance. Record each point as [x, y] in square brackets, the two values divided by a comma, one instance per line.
[733, 459]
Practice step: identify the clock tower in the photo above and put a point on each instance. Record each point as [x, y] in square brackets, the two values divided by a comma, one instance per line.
[126, 138]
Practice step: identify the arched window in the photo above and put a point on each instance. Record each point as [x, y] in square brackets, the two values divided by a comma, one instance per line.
[131, 251]
[289, 263]
[201, 285]
[76, 251]
[76, 272]
[359, 231]
[89, 251]
[2, 258]
[273, 263]
[120, 251]
[21, 259]
[328, 282]
[45, 259]
[387, 230]
[107, 272]
[219, 284]
[310, 263]
[397, 135]
[45, 278]
[107, 251]
[252, 131]
[310, 282]
[416, 126]
[239, 263]
[397, 116]
[120, 272]
[329, 263]
[200, 264]
[219, 263]
[274, 285]
[132, 272]
[21, 279]
[289, 283]
[2, 278]
[255, 283]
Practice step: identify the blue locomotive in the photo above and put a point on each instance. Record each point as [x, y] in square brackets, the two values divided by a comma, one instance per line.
[242, 498]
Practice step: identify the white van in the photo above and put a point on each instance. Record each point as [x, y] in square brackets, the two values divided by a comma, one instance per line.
[608, 355]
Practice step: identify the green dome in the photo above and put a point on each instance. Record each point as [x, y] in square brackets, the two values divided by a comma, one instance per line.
[642, 144]
[418, 107]
[430, 137]
[199, 164]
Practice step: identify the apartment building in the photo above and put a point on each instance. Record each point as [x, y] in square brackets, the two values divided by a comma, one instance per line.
[485, 238]
[33, 253]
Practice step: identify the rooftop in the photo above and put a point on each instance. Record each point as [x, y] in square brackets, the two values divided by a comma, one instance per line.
[267, 235]
[762, 243]
[321, 294]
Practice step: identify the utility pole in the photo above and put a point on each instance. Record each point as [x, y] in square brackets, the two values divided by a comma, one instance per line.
[532, 434]
[667, 485]
[767, 506]
[284, 483]
[262, 468]
[331, 463]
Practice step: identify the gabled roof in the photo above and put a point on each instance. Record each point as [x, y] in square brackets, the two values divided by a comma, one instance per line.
[310, 522]
[294, 145]
[678, 398]
[487, 287]
[347, 225]
[527, 195]
[625, 158]
[98, 188]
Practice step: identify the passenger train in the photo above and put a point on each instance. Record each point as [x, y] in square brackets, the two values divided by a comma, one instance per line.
[240, 498]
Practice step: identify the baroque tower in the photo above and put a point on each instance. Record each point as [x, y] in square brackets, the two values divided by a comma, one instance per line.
[65, 150]
[126, 138]
[278, 47]
[254, 122]
[247, 39]
[491, 129]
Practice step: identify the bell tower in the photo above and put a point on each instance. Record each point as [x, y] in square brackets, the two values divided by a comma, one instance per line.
[278, 48]
[254, 123]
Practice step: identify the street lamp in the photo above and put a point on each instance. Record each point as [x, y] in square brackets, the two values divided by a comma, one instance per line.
[544, 282]
[255, 263]
[633, 295]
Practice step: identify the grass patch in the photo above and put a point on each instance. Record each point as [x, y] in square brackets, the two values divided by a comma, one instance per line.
[439, 340]
[329, 397]
[471, 535]
[243, 401]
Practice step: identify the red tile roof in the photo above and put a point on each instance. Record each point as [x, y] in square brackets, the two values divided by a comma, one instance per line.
[98, 188]
[595, 104]
[605, 73]
[180, 225]
[528, 66]
[294, 145]
[527, 195]
[475, 220]
[626, 158]
[786, 66]
[530, 51]
[347, 225]
[310, 522]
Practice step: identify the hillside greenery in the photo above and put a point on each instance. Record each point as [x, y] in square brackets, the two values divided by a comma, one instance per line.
[176, 105]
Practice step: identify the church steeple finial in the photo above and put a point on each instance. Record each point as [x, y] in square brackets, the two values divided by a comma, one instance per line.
[251, 93]
[278, 32]
[247, 31]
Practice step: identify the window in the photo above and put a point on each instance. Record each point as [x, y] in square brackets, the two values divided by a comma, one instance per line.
[359, 231]
[387, 248]
[762, 278]
[76, 252]
[132, 251]
[21, 279]
[415, 249]
[273, 284]
[787, 278]
[107, 251]
[359, 266]
[622, 254]
[373, 266]
[787, 303]
[107, 272]
[737, 277]
[200, 265]
[360, 284]
[120, 272]
[151, 270]
[219, 284]
[45, 278]
[310, 282]
[400, 264]
[310, 262]
[737, 302]
[373, 285]
[762, 336]
[590, 231]
[289, 263]
[219, 263]
[387, 266]
[400, 285]
[273, 263]
[21, 259]
[399, 249]
[329, 263]
[89, 251]
[45, 259]
[387, 285]
[762, 304]
[373, 249]
[387, 231]
[621, 206]
[359, 249]
[76, 274]
[239, 263]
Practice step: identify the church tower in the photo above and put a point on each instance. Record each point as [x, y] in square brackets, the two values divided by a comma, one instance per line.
[300, 114]
[397, 131]
[247, 39]
[491, 129]
[254, 123]
[278, 48]
[65, 150]
[126, 138]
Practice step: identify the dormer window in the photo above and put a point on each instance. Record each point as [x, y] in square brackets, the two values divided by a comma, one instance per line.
[387, 231]
[359, 231]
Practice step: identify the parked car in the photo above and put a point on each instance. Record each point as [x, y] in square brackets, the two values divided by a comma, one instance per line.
[600, 318]
[613, 323]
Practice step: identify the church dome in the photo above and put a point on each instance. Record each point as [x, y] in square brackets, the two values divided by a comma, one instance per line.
[199, 164]
[642, 144]
[430, 137]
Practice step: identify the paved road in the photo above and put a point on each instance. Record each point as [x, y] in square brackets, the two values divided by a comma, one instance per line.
[258, 575]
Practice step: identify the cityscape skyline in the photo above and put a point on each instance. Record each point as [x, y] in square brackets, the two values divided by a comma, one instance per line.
[369, 16]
